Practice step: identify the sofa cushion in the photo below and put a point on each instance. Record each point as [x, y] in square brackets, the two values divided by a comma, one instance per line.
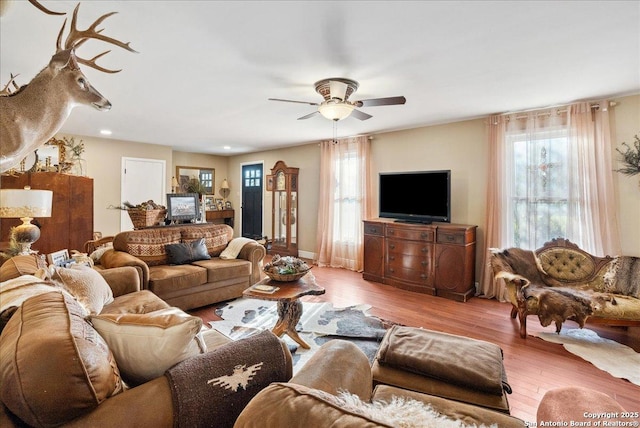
[146, 345]
[149, 245]
[460, 360]
[54, 365]
[170, 278]
[182, 253]
[216, 237]
[222, 270]
[86, 285]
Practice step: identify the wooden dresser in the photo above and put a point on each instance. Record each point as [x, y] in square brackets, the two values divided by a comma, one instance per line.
[437, 259]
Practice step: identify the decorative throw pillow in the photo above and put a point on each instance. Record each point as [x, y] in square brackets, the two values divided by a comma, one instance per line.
[54, 366]
[86, 285]
[183, 253]
[146, 345]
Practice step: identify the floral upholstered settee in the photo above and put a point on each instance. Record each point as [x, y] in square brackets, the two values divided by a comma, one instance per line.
[560, 281]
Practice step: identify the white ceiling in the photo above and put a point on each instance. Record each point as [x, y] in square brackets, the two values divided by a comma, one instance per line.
[205, 69]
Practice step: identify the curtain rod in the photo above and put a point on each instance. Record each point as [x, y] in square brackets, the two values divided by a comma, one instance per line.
[560, 109]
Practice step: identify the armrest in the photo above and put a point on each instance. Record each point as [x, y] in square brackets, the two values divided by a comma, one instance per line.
[114, 258]
[337, 365]
[149, 404]
[253, 252]
[123, 280]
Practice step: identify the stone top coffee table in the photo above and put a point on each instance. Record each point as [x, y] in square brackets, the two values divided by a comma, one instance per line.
[289, 305]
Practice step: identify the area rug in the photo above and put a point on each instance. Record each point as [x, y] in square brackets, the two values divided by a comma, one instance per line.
[320, 322]
[618, 360]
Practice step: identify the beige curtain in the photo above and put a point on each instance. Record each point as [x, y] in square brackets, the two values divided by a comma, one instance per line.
[592, 221]
[590, 144]
[496, 194]
[345, 201]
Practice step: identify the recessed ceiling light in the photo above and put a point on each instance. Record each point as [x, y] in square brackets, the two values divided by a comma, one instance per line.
[227, 147]
[105, 132]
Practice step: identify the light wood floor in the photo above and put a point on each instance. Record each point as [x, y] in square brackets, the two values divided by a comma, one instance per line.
[533, 365]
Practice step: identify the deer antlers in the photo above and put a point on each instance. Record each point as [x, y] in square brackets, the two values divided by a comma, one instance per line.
[44, 9]
[77, 38]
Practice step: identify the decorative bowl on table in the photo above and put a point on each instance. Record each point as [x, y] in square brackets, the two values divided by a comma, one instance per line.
[286, 269]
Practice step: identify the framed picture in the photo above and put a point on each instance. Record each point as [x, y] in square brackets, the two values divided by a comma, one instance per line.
[209, 203]
[227, 205]
[58, 258]
[219, 204]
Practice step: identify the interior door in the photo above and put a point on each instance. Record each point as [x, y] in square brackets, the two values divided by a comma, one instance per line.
[252, 185]
[142, 179]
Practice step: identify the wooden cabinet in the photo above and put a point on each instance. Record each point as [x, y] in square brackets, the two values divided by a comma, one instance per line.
[373, 251]
[436, 259]
[71, 221]
[227, 216]
[283, 183]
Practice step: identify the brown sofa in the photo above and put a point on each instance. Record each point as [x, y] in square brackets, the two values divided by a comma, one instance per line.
[59, 368]
[195, 283]
[560, 281]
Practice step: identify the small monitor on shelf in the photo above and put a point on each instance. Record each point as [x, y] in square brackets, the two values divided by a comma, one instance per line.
[183, 207]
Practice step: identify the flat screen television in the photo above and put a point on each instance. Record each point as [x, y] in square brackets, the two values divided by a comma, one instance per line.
[183, 207]
[417, 196]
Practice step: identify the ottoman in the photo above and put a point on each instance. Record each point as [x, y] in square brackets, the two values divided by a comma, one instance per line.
[453, 367]
[574, 405]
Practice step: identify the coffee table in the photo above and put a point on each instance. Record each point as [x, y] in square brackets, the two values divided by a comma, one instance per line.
[289, 304]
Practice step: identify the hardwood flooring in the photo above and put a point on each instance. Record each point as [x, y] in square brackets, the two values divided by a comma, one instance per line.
[533, 365]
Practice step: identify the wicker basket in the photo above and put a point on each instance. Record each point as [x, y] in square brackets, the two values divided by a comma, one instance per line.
[146, 218]
[286, 277]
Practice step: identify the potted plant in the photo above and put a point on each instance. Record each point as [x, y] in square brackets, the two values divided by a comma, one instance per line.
[630, 158]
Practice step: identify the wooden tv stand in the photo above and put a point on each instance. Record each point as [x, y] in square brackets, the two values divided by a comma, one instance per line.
[437, 258]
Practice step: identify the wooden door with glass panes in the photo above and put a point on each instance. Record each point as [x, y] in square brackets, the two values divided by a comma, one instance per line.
[252, 201]
[283, 183]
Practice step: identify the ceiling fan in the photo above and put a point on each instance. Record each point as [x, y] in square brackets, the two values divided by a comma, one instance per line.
[336, 105]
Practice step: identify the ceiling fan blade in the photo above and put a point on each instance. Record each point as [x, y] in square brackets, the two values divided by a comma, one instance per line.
[307, 116]
[360, 115]
[292, 101]
[380, 102]
[338, 89]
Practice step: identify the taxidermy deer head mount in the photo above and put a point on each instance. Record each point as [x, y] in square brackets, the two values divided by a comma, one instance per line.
[34, 113]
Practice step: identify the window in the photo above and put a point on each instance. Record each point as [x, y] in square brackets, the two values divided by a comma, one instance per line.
[347, 197]
[344, 202]
[539, 187]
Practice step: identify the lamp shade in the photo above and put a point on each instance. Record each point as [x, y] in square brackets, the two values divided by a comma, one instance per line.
[19, 203]
[225, 184]
[335, 111]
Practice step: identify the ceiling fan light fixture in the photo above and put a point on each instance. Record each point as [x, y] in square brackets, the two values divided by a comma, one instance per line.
[335, 111]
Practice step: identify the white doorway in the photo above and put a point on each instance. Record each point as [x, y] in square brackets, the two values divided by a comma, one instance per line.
[141, 180]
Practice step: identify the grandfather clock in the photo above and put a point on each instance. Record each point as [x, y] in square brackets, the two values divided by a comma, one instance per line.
[283, 183]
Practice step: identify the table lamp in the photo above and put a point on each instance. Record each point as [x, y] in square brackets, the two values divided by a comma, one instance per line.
[25, 204]
[224, 189]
